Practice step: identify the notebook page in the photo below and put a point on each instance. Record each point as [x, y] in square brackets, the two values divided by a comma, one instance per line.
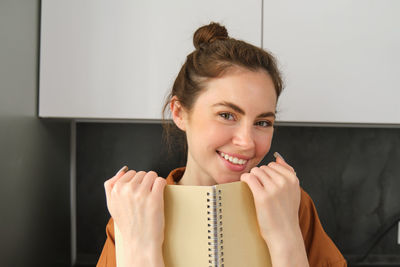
[242, 242]
[186, 231]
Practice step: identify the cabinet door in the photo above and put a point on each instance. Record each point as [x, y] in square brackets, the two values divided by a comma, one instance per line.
[341, 59]
[118, 59]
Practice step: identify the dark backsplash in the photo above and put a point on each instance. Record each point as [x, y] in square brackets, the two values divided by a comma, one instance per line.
[352, 174]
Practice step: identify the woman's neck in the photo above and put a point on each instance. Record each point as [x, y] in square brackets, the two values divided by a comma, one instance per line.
[195, 175]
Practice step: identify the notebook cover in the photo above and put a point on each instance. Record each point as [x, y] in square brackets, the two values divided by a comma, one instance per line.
[186, 241]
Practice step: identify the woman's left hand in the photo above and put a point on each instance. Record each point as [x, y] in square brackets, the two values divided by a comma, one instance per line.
[276, 193]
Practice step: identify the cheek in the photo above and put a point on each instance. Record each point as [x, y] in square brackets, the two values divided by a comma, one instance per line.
[263, 144]
[217, 135]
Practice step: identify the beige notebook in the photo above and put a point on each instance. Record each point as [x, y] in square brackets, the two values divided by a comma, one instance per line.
[210, 226]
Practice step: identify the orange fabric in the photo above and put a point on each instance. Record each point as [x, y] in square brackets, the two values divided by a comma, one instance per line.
[321, 250]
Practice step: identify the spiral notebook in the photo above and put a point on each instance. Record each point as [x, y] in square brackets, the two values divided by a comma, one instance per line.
[210, 226]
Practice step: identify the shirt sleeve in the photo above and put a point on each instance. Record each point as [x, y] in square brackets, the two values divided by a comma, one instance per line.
[321, 250]
[107, 256]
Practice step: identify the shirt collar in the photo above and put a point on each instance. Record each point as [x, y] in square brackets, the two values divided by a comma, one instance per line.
[175, 175]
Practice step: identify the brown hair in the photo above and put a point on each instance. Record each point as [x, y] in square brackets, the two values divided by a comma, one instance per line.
[215, 54]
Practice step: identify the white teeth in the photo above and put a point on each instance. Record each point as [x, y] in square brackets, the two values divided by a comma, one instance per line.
[234, 160]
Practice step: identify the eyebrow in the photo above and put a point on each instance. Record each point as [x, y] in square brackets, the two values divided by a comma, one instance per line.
[241, 111]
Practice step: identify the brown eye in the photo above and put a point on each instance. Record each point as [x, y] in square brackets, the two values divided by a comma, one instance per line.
[264, 123]
[227, 116]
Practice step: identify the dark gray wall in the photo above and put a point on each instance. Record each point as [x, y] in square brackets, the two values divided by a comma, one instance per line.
[34, 154]
[352, 174]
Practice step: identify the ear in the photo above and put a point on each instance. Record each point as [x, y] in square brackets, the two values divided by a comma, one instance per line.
[178, 113]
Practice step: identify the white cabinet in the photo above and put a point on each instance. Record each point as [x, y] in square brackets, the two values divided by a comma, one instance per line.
[118, 59]
[341, 59]
[104, 59]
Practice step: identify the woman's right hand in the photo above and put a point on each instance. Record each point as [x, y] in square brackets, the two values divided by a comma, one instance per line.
[135, 202]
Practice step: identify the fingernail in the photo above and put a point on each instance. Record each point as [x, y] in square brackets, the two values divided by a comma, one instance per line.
[276, 154]
[123, 169]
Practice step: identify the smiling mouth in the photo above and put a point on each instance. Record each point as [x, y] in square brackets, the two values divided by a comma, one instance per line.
[232, 159]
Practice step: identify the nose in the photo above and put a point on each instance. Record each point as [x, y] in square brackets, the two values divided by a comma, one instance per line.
[243, 137]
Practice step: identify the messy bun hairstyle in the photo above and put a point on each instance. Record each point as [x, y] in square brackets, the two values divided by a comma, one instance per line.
[215, 54]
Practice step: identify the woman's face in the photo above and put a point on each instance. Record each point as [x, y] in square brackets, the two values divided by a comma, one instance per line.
[229, 129]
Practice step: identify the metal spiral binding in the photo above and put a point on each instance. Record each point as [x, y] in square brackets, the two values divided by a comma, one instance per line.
[215, 229]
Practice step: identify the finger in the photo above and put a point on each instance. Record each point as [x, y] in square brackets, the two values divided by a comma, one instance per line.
[282, 161]
[263, 177]
[127, 177]
[281, 169]
[290, 174]
[279, 178]
[122, 181]
[138, 177]
[109, 184]
[252, 181]
[158, 186]
[120, 173]
[148, 181]
[276, 177]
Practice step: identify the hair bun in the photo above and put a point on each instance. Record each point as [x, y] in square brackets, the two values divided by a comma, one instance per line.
[208, 34]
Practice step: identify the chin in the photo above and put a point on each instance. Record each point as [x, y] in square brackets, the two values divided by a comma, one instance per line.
[226, 180]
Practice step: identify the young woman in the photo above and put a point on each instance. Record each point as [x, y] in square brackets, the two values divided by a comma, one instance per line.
[224, 102]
